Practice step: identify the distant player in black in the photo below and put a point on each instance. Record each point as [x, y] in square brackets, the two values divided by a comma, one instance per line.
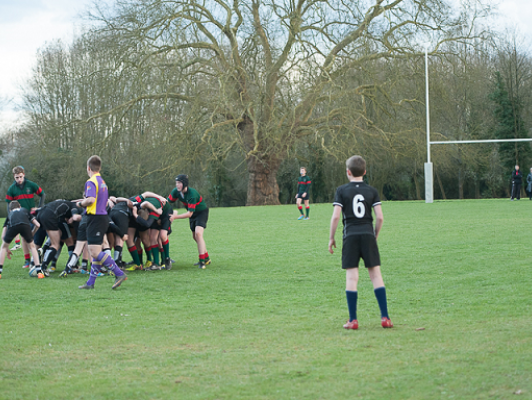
[355, 200]
[517, 179]
[303, 189]
[19, 221]
[53, 218]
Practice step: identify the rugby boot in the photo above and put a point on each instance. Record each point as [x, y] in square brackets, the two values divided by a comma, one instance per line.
[85, 286]
[386, 323]
[351, 325]
[118, 281]
[202, 262]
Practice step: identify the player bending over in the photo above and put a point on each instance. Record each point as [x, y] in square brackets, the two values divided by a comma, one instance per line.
[355, 200]
[19, 221]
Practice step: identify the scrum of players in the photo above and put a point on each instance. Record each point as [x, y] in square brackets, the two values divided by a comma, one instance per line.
[141, 221]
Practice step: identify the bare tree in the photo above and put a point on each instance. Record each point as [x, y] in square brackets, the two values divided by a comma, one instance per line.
[267, 73]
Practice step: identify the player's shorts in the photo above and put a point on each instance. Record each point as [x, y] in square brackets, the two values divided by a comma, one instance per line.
[362, 246]
[97, 226]
[199, 219]
[300, 196]
[138, 227]
[23, 229]
[39, 237]
[82, 229]
[121, 220]
[115, 230]
[165, 222]
[65, 231]
[156, 224]
[48, 220]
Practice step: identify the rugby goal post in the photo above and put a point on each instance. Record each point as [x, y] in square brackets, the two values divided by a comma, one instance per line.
[429, 184]
[429, 173]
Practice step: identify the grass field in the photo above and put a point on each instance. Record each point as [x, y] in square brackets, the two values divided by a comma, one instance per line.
[264, 321]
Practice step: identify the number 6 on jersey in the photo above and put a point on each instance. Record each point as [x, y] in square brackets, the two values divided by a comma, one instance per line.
[358, 206]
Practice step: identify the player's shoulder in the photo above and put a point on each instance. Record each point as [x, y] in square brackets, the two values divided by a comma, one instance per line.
[192, 192]
[12, 187]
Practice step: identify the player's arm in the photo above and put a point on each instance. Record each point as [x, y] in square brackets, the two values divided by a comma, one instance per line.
[36, 225]
[9, 199]
[175, 215]
[148, 205]
[123, 199]
[86, 202]
[42, 195]
[90, 195]
[379, 219]
[156, 196]
[335, 219]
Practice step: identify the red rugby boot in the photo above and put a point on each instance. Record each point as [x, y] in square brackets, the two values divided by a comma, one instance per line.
[351, 325]
[386, 323]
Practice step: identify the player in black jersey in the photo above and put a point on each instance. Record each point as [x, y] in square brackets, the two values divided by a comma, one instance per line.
[355, 200]
[19, 221]
[52, 217]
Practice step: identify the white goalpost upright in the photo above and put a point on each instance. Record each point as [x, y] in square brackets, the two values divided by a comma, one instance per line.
[429, 189]
[429, 174]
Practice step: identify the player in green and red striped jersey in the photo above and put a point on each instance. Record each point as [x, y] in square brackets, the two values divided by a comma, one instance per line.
[303, 189]
[197, 211]
[159, 230]
[159, 212]
[23, 191]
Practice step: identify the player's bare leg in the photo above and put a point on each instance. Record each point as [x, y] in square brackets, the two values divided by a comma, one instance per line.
[26, 250]
[300, 208]
[132, 248]
[204, 259]
[55, 243]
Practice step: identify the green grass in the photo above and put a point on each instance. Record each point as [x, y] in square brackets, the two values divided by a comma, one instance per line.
[264, 321]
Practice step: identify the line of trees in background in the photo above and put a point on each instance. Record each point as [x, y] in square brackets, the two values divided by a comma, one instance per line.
[240, 94]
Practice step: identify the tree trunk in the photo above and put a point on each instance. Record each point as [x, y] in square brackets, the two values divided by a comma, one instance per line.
[262, 181]
[460, 184]
[418, 191]
[441, 186]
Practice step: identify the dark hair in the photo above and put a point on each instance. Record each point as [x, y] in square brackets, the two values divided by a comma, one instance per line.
[183, 179]
[13, 205]
[94, 163]
[357, 165]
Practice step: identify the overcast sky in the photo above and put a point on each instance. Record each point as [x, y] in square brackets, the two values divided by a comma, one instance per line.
[26, 25]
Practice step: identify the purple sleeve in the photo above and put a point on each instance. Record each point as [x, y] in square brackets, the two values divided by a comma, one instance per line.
[90, 189]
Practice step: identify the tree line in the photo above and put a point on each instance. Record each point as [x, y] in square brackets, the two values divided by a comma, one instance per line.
[240, 94]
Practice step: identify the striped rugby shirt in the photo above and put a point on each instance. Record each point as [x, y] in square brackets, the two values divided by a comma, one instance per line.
[191, 199]
[25, 194]
[303, 184]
